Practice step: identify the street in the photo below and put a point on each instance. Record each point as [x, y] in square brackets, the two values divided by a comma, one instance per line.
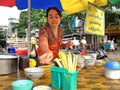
[114, 54]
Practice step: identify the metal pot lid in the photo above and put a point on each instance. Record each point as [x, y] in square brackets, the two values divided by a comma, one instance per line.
[8, 56]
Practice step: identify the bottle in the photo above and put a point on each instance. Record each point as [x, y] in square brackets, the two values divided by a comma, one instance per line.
[33, 56]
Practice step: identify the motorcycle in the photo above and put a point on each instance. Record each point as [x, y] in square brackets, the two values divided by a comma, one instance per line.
[102, 54]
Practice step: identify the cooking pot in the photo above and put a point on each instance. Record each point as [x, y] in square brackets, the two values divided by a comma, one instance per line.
[8, 63]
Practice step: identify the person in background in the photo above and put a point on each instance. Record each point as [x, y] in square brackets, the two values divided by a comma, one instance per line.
[112, 44]
[50, 37]
[84, 43]
[76, 43]
[34, 40]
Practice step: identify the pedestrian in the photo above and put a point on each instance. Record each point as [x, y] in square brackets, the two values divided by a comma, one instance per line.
[84, 43]
[50, 37]
[112, 44]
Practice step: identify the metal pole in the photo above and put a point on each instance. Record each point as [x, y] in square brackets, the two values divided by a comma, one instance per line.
[29, 26]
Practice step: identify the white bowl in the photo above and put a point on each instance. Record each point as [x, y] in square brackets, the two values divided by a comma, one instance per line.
[34, 72]
[42, 87]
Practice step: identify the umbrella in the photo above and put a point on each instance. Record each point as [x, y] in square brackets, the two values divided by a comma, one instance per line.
[69, 6]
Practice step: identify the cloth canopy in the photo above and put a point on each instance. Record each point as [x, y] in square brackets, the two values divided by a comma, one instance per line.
[9, 3]
[74, 6]
[69, 6]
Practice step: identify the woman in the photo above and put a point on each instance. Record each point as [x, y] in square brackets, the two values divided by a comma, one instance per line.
[50, 37]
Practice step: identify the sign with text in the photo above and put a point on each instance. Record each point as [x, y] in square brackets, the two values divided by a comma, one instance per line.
[115, 29]
[95, 20]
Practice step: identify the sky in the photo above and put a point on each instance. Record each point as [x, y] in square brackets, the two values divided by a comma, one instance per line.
[8, 12]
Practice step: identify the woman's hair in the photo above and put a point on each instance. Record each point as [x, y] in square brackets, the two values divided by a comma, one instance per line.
[54, 8]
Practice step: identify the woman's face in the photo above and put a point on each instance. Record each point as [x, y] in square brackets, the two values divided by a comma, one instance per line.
[53, 18]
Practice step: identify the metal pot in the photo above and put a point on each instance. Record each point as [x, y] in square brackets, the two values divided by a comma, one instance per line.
[8, 64]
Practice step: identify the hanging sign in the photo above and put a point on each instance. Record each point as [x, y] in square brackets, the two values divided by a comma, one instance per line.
[95, 20]
[115, 29]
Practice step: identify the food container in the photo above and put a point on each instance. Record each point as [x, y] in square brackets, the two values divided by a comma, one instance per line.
[11, 50]
[93, 54]
[112, 73]
[112, 69]
[8, 64]
[22, 85]
[80, 62]
[89, 61]
[42, 87]
[62, 79]
[112, 65]
[99, 62]
[21, 52]
[24, 62]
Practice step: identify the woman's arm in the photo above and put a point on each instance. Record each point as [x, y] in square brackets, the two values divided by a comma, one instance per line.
[48, 55]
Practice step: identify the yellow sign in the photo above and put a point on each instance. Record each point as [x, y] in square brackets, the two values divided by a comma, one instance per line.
[95, 21]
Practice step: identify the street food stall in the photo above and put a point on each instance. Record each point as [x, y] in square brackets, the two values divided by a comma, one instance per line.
[88, 79]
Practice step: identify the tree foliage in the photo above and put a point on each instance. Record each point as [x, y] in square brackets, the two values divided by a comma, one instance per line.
[38, 19]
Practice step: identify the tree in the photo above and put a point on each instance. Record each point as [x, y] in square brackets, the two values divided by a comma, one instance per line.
[112, 17]
[38, 19]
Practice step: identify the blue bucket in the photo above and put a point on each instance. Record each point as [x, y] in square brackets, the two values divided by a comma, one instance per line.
[22, 85]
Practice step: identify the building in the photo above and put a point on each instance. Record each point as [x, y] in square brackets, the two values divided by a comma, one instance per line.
[113, 32]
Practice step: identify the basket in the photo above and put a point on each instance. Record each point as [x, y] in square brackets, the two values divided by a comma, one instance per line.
[62, 79]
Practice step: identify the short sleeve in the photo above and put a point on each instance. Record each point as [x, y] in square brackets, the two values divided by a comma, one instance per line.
[43, 32]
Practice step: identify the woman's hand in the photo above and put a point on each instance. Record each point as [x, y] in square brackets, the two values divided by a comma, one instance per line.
[46, 57]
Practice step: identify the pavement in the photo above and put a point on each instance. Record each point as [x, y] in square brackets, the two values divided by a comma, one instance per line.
[114, 54]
